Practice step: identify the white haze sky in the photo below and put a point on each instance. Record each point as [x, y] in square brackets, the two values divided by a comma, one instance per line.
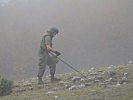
[93, 33]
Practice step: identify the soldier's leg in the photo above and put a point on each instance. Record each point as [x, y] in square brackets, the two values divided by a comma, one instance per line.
[52, 67]
[42, 66]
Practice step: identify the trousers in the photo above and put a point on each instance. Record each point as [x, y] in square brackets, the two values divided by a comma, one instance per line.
[44, 60]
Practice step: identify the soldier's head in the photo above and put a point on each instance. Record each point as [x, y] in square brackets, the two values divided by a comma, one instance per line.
[53, 31]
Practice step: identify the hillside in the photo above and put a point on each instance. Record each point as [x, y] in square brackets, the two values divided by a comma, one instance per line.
[92, 33]
[107, 83]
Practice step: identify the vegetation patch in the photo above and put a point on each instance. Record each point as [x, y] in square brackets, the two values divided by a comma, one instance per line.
[6, 86]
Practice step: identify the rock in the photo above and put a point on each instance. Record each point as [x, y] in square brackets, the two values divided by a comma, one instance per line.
[76, 78]
[73, 87]
[102, 84]
[111, 73]
[130, 62]
[125, 74]
[50, 92]
[118, 84]
[40, 86]
[62, 82]
[100, 77]
[55, 97]
[111, 66]
[82, 80]
[27, 83]
[81, 86]
[67, 86]
[55, 89]
[103, 73]
[100, 71]
[92, 68]
[20, 90]
[96, 81]
[87, 84]
[89, 71]
[109, 80]
[77, 87]
[91, 78]
[93, 74]
[31, 88]
[124, 80]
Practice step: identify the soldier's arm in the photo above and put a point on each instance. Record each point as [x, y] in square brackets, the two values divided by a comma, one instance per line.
[50, 48]
[48, 42]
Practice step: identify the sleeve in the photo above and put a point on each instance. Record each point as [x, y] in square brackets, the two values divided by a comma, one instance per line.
[45, 40]
[48, 40]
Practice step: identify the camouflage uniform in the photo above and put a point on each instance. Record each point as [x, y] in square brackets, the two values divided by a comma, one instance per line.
[45, 58]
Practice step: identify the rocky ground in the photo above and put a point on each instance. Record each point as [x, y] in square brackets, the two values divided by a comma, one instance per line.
[107, 83]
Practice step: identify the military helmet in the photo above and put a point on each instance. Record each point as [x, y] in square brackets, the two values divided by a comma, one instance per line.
[54, 30]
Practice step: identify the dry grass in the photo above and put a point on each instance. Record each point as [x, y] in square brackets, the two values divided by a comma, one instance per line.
[94, 92]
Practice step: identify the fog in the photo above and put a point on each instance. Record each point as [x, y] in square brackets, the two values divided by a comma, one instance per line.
[93, 33]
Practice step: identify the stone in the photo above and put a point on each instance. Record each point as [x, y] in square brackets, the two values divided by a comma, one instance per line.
[93, 74]
[76, 78]
[73, 87]
[96, 81]
[109, 80]
[124, 80]
[55, 97]
[82, 80]
[77, 87]
[125, 74]
[100, 71]
[130, 62]
[62, 82]
[50, 92]
[89, 71]
[92, 68]
[67, 86]
[81, 86]
[20, 90]
[102, 84]
[91, 78]
[27, 83]
[100, 77]
[87, 84]
[31, 88]
[111, 73]
[118, 84]
[103, 73]
[111, 66]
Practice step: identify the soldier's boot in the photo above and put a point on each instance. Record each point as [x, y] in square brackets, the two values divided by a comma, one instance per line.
[40, 75]
[53, 79]
[40, 81]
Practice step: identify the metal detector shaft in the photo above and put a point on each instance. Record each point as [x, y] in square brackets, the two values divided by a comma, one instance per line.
[69, 66]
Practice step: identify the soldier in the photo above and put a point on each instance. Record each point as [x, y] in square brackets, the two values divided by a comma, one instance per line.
[45, 58]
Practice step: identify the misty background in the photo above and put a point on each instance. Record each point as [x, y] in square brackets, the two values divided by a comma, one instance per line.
[93, 33]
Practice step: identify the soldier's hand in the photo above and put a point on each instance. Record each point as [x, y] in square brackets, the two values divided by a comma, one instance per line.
[57, 53]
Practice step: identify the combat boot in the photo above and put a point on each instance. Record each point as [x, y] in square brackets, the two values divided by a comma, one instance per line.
[40, 81]
[53, 79]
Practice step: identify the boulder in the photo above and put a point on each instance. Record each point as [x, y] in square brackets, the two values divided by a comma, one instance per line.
[76, 78]
[130, 62]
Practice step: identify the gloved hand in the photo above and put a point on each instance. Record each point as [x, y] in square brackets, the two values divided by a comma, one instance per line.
[57, 53]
